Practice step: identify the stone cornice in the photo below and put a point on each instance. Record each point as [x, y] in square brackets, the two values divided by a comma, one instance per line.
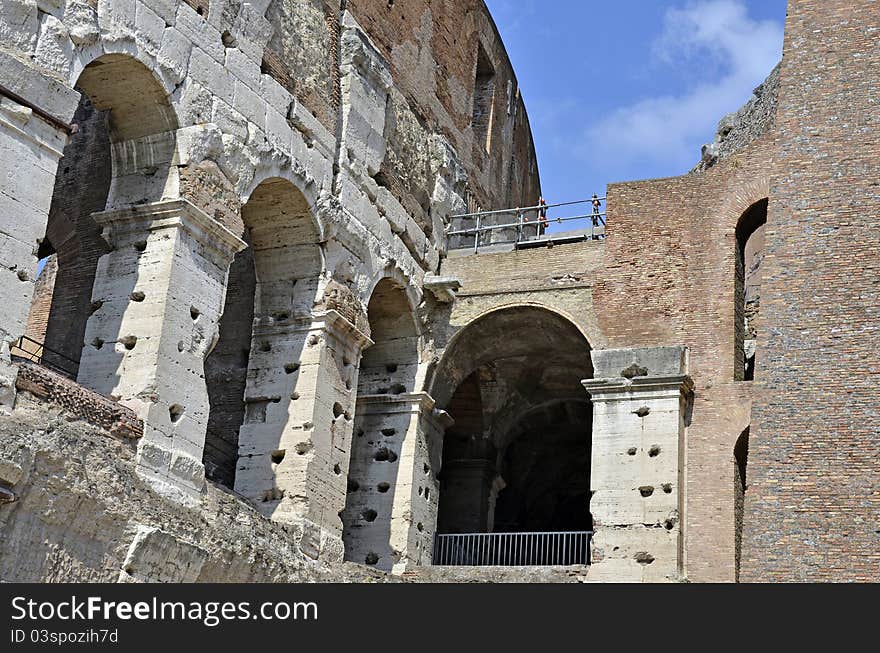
[614, 388]
[177, 213]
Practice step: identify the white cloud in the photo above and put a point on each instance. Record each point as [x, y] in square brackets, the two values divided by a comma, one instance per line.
[717, 35]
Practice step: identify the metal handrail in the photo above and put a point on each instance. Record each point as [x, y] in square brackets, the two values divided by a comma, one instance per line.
[510, 225]
[525, 208]
[536, 549]
[66, 366]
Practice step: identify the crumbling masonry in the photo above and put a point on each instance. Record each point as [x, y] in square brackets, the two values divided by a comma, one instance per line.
[252, 353]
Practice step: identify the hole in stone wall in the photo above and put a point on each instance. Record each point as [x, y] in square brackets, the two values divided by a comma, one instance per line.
[137, 296]
[303, 448]
[667, 488]
[385, 455]
[427, 493]
[398, 389]
[228, 40]
[95, 307]
[265, 346]
[278, 456]
[644, 411]
[294, 396]
[194, 313]
[426, 469]
[290, 368]
[646, 490]
[654, 451]
[140, 245]
[337, 469]
[175, 412]
[669, 524]
[644, 558]
[383, 487]
[371, 558]
[181, 345]
[389, 433]
[631, 451]
[369, 515]
[420, 527]
[352, 485]
[391, 368]
[128, 342]
[633, 371]
[338, 410]
[97, 343]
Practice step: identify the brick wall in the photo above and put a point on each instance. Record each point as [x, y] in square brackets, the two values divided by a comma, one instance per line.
[74, 236]
[78, 401]
[812, 506]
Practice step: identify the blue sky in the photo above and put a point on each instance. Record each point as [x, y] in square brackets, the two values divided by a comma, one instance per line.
[632, 89]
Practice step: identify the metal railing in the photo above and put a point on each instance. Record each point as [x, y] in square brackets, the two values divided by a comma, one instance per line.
[527, 224]
[31, 350]
[546, 549]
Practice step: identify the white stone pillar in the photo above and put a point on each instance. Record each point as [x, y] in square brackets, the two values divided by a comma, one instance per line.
[294, 445]
[157, 299]
[640, 413]
[391, 514]
[31, 145]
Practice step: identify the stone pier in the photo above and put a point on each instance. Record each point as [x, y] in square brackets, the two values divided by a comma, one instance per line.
[294, 445]
[156, 301]
[641, 401]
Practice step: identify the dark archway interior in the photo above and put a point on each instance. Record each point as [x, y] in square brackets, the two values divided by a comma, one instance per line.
[749, 255]
[517, 458]
[741, 457]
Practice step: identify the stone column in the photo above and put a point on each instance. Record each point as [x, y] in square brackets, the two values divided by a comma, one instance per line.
[31, 144]
[391, 513]
[156, 301]
[640, 413]
[295, 443]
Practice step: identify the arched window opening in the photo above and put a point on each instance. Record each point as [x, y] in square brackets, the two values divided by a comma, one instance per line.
[749, 255]
[119, 154]
[516, 463]
[740, 485]
[383, 421]
[253, 370]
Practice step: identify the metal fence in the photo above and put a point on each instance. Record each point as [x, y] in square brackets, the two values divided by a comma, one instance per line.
[30, 350]
[560, 549]
[521, 225]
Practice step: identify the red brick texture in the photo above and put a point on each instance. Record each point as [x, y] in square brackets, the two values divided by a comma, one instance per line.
[812, 506]
[669, 278]
[77, 401]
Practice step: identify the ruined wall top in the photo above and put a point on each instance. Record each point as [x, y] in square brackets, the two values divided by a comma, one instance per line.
[738, 129]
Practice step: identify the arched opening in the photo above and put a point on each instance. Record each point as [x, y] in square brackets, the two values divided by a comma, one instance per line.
[749, 255]
[253, 370]
[120, 153]
[740, 485]
[383, 420]
[517, 459]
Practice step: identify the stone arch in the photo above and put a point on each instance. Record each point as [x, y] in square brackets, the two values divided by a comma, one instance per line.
[271, 291]
[386, 421]
[511, 380]
[740, 485]
[119, 153]
[747, 287]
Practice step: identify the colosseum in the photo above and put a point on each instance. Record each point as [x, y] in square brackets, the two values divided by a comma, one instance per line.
[268, 315]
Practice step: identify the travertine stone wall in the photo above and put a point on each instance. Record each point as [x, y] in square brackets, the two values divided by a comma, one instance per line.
[641, 404]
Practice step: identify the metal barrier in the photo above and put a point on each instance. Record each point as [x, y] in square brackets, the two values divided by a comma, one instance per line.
[548, 549]
[30, 350]
[527, 225]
